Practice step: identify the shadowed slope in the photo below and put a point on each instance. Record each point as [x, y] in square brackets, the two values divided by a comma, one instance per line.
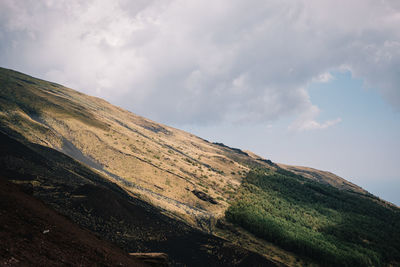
[32, 234]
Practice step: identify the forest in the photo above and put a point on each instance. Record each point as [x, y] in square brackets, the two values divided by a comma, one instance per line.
[331, 226]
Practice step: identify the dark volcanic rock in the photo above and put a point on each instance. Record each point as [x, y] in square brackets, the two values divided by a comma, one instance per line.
[153, 259]
[203, 196]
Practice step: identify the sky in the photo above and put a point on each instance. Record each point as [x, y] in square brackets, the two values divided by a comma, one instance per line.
[305, 82]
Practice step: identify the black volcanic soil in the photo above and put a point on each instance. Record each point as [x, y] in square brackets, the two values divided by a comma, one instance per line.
[24, 222]
[139, 227]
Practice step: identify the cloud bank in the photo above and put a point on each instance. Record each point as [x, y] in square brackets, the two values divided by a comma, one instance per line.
[206, 61]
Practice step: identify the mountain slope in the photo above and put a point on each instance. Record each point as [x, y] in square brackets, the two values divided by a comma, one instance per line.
[153, 159]
[192, 181]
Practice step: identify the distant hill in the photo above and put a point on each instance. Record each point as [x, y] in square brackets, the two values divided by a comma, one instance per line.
[150, 187]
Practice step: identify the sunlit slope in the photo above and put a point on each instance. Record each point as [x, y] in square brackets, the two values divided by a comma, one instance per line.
[165, 166]
[323, 177]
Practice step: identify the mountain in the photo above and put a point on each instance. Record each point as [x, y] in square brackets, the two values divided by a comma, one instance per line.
[147, 187]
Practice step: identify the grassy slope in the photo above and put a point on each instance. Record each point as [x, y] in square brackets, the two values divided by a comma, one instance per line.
[154, 158]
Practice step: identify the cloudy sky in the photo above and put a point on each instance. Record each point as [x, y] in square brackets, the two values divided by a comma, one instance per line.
[305, 82]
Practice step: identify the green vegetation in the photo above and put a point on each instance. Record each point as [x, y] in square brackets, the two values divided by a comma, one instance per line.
[333, 227]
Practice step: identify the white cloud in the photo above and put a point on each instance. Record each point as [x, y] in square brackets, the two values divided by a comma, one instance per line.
[205, 61]
[311, 124]
[307, 121]
[323, 78]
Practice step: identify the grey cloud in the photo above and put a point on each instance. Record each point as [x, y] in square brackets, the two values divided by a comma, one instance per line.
[205, 62]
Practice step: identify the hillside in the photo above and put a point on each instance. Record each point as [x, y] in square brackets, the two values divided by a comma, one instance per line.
[90, 159]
